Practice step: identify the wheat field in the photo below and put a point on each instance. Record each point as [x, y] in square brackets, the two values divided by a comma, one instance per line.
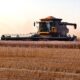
[39, 63]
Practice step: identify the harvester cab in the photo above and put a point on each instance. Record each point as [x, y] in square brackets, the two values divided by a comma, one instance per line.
[52, 27]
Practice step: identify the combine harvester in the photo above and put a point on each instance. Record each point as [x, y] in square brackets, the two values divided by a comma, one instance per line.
[50, 29]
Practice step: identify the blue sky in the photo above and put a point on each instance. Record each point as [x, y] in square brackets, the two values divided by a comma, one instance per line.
[17, 16]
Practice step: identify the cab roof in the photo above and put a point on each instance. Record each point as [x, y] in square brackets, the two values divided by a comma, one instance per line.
[50, 18]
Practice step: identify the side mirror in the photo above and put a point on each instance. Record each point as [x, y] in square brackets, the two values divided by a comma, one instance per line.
[75, 26]
[34, 23]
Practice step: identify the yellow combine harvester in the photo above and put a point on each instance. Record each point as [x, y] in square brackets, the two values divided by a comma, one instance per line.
[49, 28]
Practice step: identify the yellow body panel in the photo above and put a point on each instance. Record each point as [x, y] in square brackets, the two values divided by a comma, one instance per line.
[53, 30]
[43, 33]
